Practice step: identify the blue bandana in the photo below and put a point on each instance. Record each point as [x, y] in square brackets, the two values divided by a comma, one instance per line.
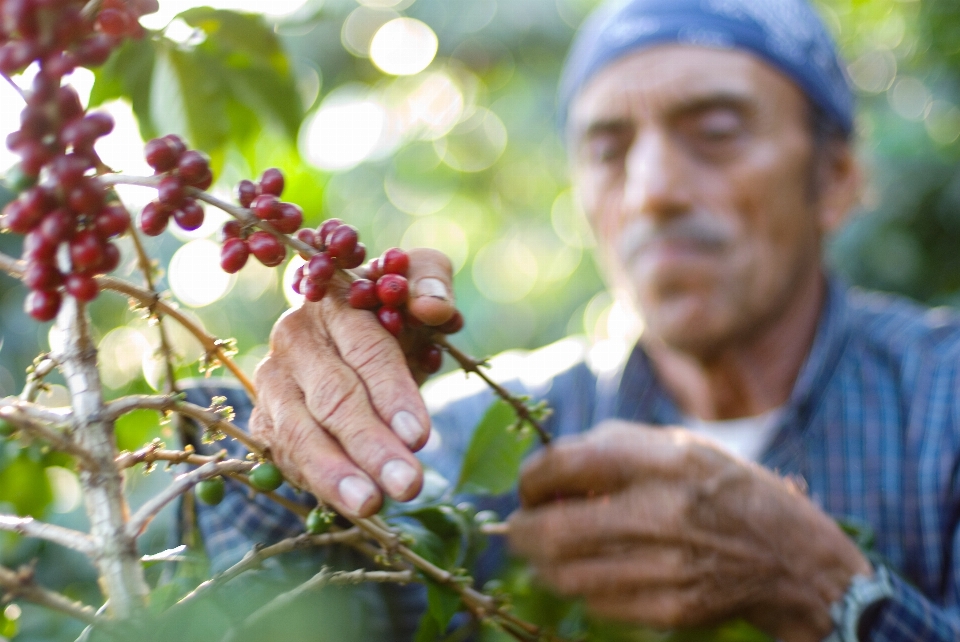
[787, 34]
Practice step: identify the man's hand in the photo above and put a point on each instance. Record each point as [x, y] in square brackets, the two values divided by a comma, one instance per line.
[338, 403]
[657, 527]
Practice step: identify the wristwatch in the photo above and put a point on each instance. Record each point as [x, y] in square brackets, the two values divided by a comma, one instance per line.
[861, 601]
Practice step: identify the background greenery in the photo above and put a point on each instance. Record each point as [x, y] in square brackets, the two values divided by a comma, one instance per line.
[491, 191]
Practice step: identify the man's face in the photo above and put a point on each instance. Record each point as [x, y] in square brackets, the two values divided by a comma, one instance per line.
[695, 169]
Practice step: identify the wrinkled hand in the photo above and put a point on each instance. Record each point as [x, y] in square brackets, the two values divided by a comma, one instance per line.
[338, 403]
[654, 526]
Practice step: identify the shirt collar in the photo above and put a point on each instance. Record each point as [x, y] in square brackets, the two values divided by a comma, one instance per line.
[635, 394]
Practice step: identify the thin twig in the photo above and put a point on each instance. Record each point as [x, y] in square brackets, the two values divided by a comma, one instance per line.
[36, 412]
[498, 529]
[58, 440]
[470, 364]
[29, 527]
[152, 453]
[34, 384]
[211, 344]
[138, 523]
[255, 558]
[90, 9]
[21, 584]
[15, 86]
[204, 416]
[324, 578]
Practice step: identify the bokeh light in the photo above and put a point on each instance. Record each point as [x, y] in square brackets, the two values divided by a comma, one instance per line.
[403, 47]
[343, 132]
[361, 26]
[505, 270]
[439, 233]
[195, 275]
[475, 144]
[121, 356]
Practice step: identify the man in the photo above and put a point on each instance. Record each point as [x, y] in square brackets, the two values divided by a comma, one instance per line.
[709, 142]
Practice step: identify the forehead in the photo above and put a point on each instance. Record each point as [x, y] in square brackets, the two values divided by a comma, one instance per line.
[670, 77]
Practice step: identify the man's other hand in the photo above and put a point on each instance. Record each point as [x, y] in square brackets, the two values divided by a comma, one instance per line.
[657, 527]
[339, 405]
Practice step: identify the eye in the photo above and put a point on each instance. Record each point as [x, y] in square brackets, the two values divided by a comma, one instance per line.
[718, 125]
[605, 148]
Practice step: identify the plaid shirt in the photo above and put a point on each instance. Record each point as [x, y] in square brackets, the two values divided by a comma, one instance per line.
[872, 426]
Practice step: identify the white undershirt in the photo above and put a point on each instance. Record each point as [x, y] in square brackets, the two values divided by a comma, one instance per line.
[746, 438]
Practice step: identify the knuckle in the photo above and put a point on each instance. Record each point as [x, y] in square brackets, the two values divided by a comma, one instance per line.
[370, 353]
[285, 330]
[363, 443]
[331, 396]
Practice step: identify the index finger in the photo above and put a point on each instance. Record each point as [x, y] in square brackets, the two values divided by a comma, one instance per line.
[570, 468]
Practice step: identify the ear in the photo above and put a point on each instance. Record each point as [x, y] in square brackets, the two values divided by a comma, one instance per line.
[839, 181]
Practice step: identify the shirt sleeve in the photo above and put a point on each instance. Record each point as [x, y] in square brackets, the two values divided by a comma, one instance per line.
[909, 615]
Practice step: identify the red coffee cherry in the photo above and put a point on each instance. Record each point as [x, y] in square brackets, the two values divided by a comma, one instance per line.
[193, 167]
[43, 305]
[110, 260]
[230, 230]
[42, 276]
[430, 359]
[266, 207]
[154, 219]
[85, 250]
[392, 290]
[114, 22]
[313, 291]
[190, 216]
[170, 192]
[391, 319]
[246, 192]
[290, 220]
[372, 270]
[307, 236]
[38, 248]
[363, 295]
[82, 287]
[297, 278]
[320, 268]
[18, 218]
[176, 143]
[272, 182]
[94, 51]
[67, 170]
[161, 154]
[342, 241]
[87, 196]
[234, 255]
[454, 325]
[267, 248]
[356, 258]
[204, 182]
[395, 261]
[61, 225]
[326, 229]
[112, 221]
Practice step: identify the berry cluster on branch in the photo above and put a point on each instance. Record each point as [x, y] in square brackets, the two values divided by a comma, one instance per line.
[179, 168]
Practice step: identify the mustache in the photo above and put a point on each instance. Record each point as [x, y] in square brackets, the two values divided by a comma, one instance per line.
[701, 230]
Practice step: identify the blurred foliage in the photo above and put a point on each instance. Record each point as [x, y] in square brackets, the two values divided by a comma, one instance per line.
[467, 160]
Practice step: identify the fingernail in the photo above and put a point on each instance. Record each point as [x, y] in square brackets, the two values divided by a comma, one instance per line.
[397, 476]
[432, 287]
[355, 492]
[407, 428]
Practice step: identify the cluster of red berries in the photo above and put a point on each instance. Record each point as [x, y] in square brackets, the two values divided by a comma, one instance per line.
[63, 203]
[180, 168]
[56, 33]
[263, 199]
[338, 247]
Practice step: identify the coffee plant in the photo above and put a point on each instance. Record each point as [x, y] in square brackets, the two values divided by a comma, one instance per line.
[70, 217]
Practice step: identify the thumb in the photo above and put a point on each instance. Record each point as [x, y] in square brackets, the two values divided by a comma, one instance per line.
[431, 286]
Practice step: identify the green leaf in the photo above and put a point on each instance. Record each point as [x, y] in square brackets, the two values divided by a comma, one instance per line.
[129, 74]
[251, 63]
[442, 604]
[428, 630]
[426, 543]
[451, 528]
[492, 463]
[24, 483]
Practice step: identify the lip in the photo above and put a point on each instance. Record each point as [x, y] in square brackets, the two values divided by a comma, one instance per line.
[670, 253]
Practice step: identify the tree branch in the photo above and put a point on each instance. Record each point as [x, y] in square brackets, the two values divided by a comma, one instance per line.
[152, 453]
[21, 584]
[254, 558]
[324, 578]
[138, 523]
[29, 527]
[37, 426]
[35, 378]
[204, 416]
[470, 364]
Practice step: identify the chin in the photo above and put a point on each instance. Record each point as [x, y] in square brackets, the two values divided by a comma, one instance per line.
[686, 323]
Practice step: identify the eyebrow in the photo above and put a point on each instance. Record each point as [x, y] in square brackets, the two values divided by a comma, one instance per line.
[691, 105]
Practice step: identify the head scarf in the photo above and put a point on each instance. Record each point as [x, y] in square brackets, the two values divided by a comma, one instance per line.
[788, 34]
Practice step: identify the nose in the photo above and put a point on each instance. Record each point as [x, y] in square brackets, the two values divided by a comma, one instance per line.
[658, 178]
